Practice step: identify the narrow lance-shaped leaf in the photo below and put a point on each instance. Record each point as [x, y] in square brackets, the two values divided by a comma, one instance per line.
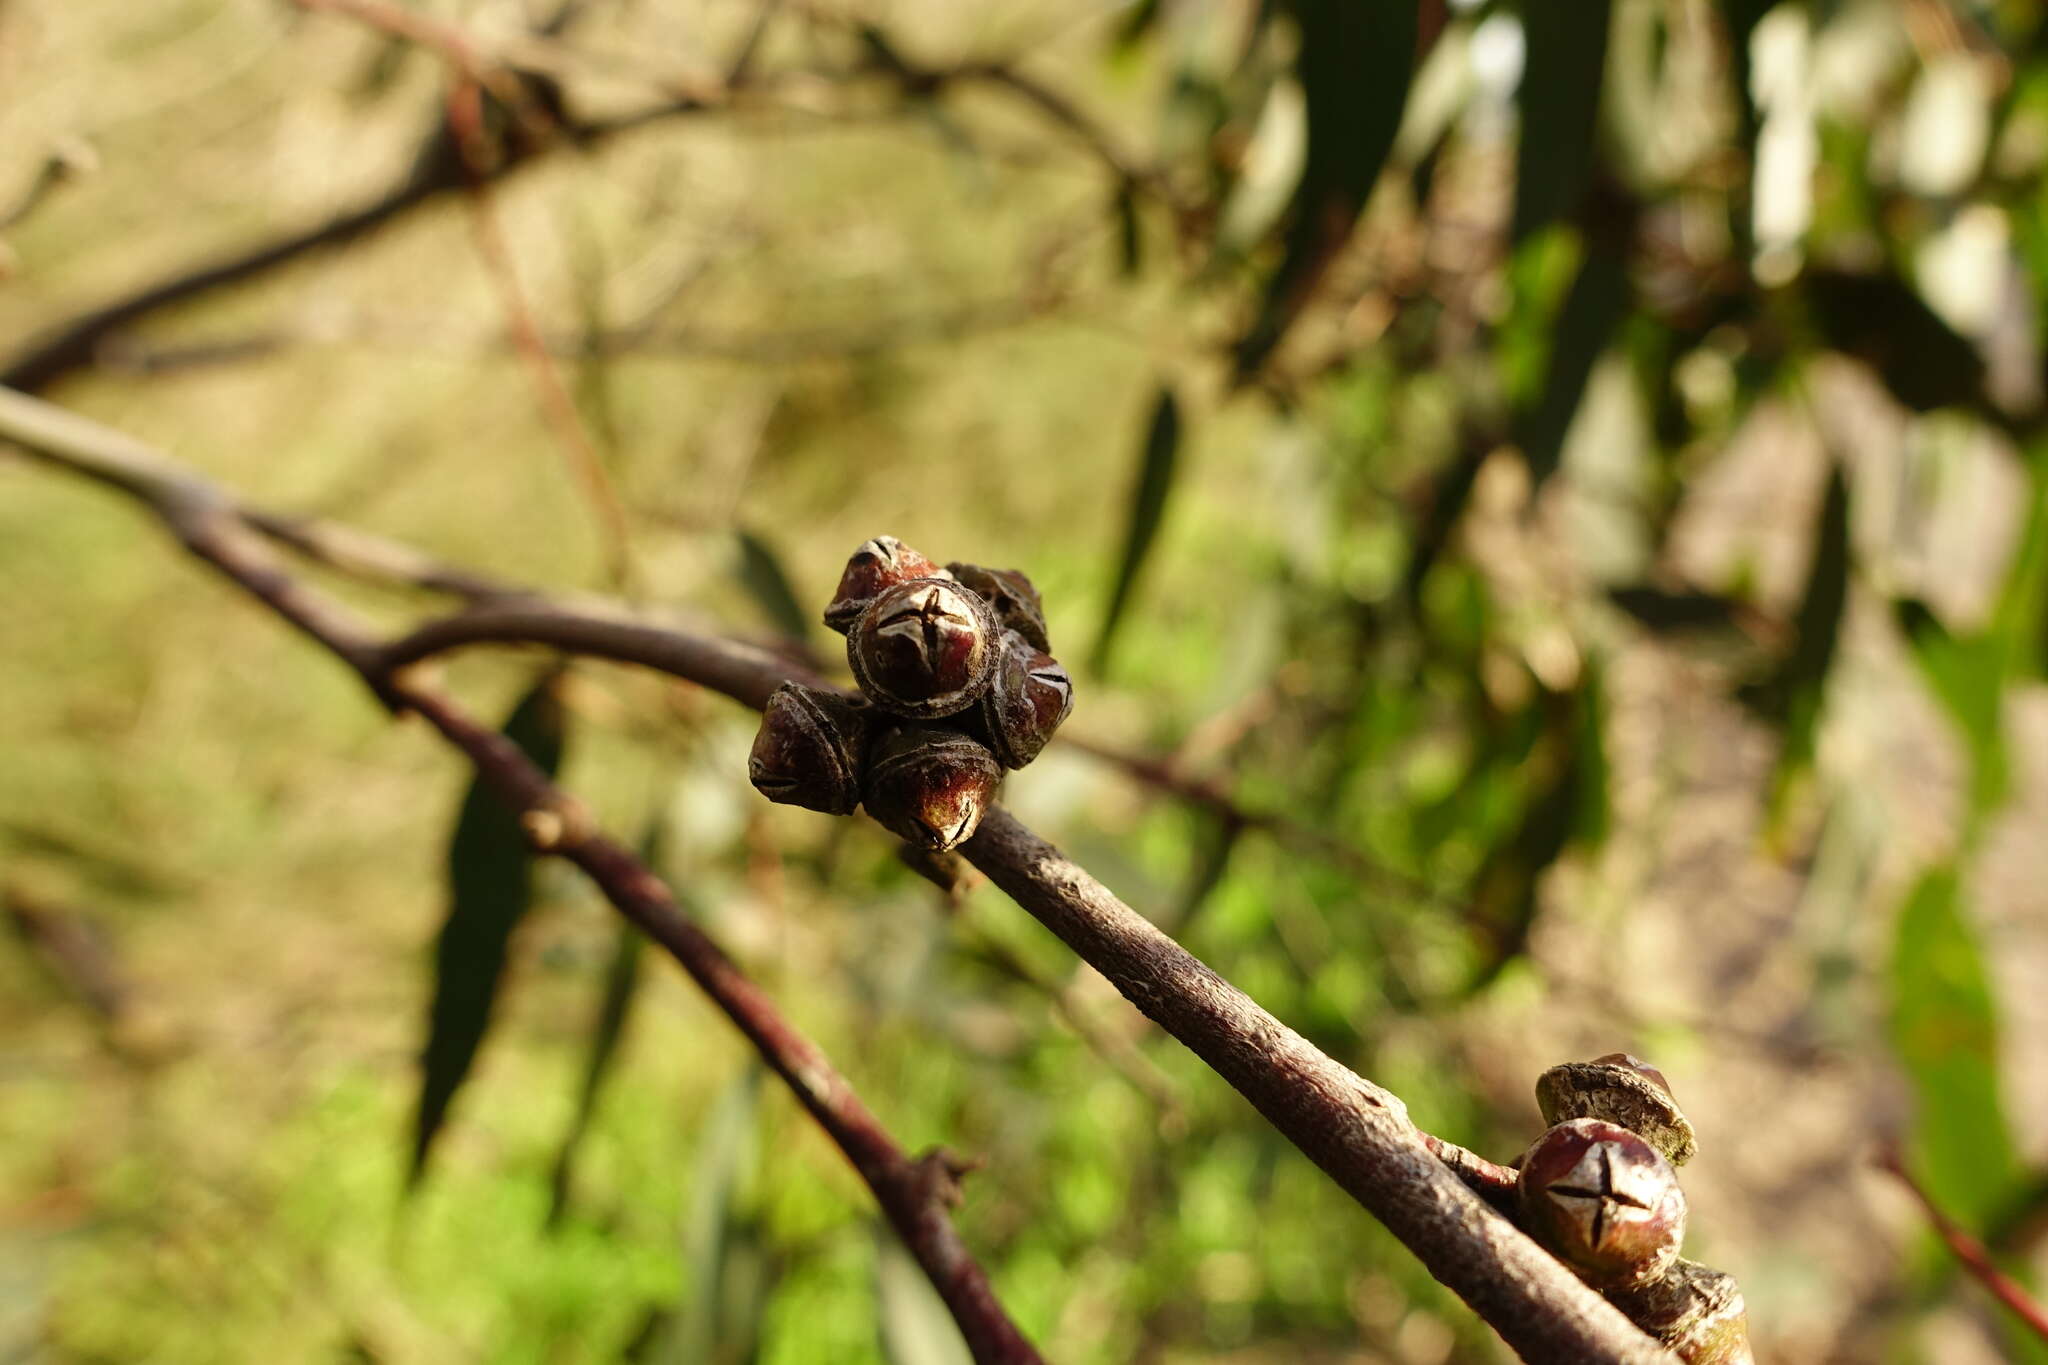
[1883, 322]
[1945, 1031]
[761, 574]
[916, 1328]
[489, 890]
[621, 982]
[1792, 696]
[1354, 64]
[1594, 815]
[1592, 310]
[720, 1254]
[1148, 507]
[1968, 675]
[1559, 98]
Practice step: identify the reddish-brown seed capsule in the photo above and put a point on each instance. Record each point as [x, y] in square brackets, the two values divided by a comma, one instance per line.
[924, 649]
[1605, 1201]
[1011, 597]
[930, 786]
[808, 751]
[877, 565]
[1029, 698]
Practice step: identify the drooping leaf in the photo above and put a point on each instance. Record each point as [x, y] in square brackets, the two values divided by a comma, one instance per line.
[728, 1266]
[1945, 1031]
[1559, 99]
[915, 1327]
[1130, 237]
[621, 981]
[1354, 63]
[1883, 322]
[1792, 695]
[1156, 464]
[1505, 894]
[1593, 308]
[489, 889]
[762, 575]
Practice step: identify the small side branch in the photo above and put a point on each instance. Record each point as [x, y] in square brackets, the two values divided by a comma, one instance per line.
[1969, 1252]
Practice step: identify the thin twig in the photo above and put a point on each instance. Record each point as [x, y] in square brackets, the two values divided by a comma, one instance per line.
[1970, 1252]
[913, 1193]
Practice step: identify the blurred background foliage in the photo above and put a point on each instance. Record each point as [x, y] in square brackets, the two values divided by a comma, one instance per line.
[1552, 492]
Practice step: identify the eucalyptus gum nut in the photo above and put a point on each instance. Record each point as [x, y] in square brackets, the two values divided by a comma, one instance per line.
[1029, 699]
[930, 786]
[1622, 1090]
[925, 649]
[878, 565]
[809, 747]
[1011, 596]
[1605, 1201]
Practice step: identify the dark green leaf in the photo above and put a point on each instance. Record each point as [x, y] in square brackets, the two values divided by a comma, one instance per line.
[490, 887]
[1593, 309]
[1354, 64]
[1881, 321]
[1792, 695]
[761, 574]
[1148, 506]
[1945, 1030]
[1129, 232]
[916, 1329]
[1560, 104]
[621, 980]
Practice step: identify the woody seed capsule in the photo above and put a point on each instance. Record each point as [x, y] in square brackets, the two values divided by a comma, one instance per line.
[1030, 697]
[877, 565]
[1011, 597]
[808, 750]
[924, 649]
[930, 786]
[1605, 1201]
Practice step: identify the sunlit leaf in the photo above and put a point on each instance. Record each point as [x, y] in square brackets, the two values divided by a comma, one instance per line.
[1944, 1027]
[1156, 464]
[1354, 64]
[915, 1327]
[762, 575]
[490, 888]
[1968, 675]
[1559, 98]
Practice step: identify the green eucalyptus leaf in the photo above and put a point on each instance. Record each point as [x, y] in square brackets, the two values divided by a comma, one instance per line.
[761, 573]
[490, 887]
[1156, 466]
[621, 983]
[1354, 62]
[1944, 1028]
[1559, 98]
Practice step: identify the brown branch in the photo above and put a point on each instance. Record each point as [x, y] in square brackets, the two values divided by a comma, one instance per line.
[1969, 1252]
[1358, 1133]
[914, 1193]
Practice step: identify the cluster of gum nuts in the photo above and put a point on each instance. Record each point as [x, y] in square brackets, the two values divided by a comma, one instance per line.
[957, 683]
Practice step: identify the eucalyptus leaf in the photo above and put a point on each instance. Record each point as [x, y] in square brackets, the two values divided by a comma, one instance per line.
[1157, 463]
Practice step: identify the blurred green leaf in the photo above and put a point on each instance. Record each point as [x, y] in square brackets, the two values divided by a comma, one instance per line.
[1156, 465]
[1595, 809]
[731, 1271]
[1559, 98]
[1945, 1031]
[1354, 63]
[1593, 309]
[490, 887]
[761, 573]
[621, 981]
[1130, 238]
[1791, 697]
[916, 1328]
